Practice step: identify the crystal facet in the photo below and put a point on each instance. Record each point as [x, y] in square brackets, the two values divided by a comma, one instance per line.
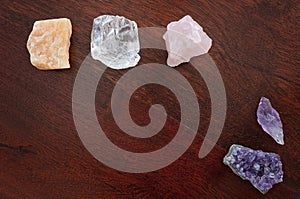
[115, 41]
[49, 42]
[262, 169]
[269, 120]
[185, 39]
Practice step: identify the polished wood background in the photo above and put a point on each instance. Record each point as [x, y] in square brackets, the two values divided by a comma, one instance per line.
[256, 48]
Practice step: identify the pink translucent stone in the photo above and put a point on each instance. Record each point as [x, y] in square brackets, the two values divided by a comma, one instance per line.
[185, 39]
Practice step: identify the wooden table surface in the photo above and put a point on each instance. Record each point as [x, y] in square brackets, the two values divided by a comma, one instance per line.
[255, 47]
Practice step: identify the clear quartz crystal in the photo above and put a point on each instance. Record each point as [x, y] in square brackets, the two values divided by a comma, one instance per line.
[115, 41]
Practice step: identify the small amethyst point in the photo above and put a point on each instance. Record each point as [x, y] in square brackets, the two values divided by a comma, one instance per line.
[269, 120]
[262, 169]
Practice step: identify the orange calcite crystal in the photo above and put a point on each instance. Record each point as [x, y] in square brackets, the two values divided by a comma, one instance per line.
[49, 42]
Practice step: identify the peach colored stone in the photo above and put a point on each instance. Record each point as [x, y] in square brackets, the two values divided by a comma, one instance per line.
[49, 42]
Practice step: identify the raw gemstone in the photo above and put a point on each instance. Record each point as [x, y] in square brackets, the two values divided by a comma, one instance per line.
[262, 169]
[185, 39]
[49, 42]
[269, 120]
[115, 41]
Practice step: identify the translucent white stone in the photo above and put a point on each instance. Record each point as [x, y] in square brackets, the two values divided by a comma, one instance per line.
[185, 39]
[115, 41]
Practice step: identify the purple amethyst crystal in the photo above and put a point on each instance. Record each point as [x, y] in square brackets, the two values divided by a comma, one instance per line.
[269, 120]
[262, 169]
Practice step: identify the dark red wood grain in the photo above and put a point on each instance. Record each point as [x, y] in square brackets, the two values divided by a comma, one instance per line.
[256, 48]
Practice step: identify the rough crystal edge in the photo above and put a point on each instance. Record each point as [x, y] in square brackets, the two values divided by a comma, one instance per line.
[226, 158]
[226, 162]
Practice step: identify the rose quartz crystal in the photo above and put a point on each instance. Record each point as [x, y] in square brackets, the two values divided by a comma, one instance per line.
[185, 39]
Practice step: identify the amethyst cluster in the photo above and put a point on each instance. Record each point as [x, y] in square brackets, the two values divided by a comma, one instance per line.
[262, 169]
